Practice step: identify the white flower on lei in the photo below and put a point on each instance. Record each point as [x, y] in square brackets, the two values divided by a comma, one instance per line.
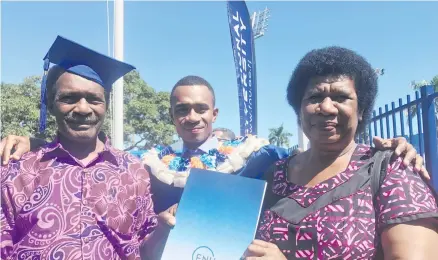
[234, 162]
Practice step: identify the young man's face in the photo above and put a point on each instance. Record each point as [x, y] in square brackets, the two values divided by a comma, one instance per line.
[193, 113]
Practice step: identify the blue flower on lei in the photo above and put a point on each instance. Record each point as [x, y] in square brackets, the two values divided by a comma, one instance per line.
[163, 151]
[219, 157]
[234, 143]
[208, 160]
[179, 164]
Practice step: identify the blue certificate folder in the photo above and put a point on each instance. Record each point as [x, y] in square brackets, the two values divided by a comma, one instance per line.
[216, 218]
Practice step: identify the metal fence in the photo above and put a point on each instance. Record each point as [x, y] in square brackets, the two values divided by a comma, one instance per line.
[416, 120]
[292, 149]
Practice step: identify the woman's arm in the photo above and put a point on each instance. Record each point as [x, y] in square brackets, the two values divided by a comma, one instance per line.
[412, 240]
[407, 215]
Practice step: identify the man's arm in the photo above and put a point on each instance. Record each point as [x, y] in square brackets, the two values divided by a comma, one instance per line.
[153, 246]
[6, 217]
[23, 144]
[6, 234]
[407, 151]
[146, 217]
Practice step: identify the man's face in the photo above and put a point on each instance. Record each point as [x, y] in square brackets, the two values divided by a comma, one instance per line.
[222, 136]
[193, 113]
[219, 134]
[79, 107]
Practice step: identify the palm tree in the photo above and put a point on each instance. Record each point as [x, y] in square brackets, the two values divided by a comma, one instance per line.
[279, 136]
[417, 86]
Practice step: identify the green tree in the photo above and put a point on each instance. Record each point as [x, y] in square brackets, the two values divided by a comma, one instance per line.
[417, 85]
[147, 118]
[20, 109]
[279, 136]
[147, 121]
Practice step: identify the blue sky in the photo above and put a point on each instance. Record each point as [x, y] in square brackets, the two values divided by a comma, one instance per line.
[205, 207]
[169, 40]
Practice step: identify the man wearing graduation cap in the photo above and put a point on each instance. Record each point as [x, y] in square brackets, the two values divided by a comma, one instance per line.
[76, 197]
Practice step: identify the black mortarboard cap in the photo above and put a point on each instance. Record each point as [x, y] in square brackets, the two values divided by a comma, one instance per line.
[82, 61]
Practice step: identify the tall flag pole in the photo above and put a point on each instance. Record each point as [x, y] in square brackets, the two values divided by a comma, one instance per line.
[242, 42]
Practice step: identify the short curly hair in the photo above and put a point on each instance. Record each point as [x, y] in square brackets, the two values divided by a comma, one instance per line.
[336, 61]
[192, 80]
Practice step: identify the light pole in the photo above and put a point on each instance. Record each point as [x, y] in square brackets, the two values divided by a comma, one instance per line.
[118, 85]
[259, 22]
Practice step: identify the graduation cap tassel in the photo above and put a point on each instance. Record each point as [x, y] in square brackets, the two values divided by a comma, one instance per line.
[83, 62]
[43, 109]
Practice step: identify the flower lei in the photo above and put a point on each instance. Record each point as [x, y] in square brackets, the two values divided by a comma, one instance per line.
[170, 167]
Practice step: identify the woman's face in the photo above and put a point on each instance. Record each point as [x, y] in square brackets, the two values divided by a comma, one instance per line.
[329, 111]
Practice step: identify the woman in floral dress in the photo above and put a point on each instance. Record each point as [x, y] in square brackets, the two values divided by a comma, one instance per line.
[337, 200]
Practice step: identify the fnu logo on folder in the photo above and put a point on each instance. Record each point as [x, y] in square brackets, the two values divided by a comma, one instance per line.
[217, 217]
